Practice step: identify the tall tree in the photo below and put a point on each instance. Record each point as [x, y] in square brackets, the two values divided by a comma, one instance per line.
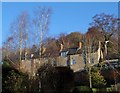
[107, 25]
[19, 29]
[93, 35]
[41, 24]
[7, 47]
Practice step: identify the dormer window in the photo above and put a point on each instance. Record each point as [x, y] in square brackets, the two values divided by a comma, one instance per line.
[64, 53]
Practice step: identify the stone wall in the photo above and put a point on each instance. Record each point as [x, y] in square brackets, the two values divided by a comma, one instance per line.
[31, 66]
[76, 62]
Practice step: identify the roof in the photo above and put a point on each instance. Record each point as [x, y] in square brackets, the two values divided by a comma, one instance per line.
[72, 51]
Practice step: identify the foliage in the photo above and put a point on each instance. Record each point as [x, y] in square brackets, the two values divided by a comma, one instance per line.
[47, 77]
[107, 25]
[103, 28]
[74, 38]
[111, 75]
[84, 89]
[82, 78]
[55, 79]
[97, 79]
[13, 80]
[92, 37]
[5, 63]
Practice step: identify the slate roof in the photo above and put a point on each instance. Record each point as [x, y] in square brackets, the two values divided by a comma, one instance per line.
[72, 51]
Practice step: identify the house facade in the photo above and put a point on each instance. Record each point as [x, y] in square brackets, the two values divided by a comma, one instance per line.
[76, 58]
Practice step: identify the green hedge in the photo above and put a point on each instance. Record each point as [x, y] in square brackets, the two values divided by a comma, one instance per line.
[84, 89]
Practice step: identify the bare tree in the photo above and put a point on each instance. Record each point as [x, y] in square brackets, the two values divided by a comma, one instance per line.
[41, 23]
[7, 46]
[19, 32]
[107, 25]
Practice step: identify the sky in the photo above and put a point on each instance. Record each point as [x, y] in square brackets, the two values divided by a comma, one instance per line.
[66, 17]
[60, 0]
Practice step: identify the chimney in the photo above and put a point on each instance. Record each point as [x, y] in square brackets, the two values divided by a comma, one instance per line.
[80, 45]
[61, 47]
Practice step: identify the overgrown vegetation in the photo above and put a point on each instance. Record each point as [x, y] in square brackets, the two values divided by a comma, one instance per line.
[20, 46]
[47, 79]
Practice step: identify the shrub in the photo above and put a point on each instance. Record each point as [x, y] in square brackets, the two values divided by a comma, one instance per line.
[13, 81]
[84, 89]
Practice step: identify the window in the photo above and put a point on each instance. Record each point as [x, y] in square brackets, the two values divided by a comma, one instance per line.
[63, 54]
[74, 61]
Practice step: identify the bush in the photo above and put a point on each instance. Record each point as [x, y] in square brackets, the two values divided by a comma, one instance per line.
[13, 80]
[84, 89]
[76, 90]
[98, 80]
[55, 79]
[94, 90]
[109, 89]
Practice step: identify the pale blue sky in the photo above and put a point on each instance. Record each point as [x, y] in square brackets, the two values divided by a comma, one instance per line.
[66, 17]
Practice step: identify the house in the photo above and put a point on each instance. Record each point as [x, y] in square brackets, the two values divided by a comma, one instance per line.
[75, 57]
